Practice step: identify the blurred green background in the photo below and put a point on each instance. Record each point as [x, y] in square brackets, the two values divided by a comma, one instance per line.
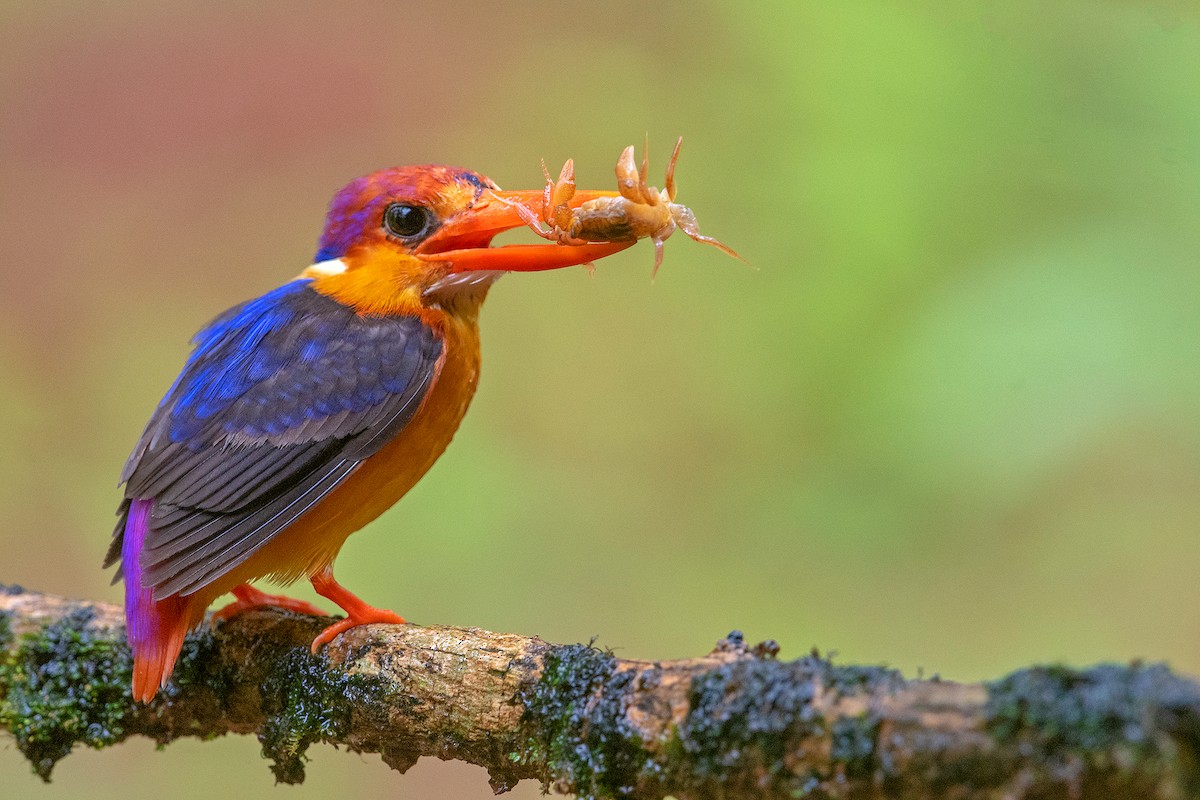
[949, 422]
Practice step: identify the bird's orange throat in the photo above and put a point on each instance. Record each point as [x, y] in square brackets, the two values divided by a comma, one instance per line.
[400, 285]
[380, 285]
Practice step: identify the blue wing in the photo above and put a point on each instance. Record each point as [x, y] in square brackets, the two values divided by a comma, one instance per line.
[280, 401]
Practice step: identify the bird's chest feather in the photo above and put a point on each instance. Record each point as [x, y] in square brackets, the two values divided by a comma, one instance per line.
[387, 475]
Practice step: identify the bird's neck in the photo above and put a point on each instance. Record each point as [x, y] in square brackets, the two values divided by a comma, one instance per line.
[391, 286]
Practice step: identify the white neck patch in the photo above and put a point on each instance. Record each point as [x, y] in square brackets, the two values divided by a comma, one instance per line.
[334, 266]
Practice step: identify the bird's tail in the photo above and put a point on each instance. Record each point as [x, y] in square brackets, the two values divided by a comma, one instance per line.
[154, 628]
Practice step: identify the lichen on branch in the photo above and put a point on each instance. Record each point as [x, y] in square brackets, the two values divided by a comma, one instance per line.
[735, 723]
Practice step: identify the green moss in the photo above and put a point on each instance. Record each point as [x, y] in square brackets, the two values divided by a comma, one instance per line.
[746, 716]
[276, 682]
[67, 684]
[306, 702]
[1102, 717]
[854, 741]
[200, 665]
[739, 719]
[579, 707]
[743, 718]
[6, 633]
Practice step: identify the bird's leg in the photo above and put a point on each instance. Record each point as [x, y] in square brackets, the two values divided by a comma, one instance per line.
[357, 611]
[248, 597]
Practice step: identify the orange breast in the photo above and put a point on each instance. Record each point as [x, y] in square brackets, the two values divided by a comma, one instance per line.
[312, 542]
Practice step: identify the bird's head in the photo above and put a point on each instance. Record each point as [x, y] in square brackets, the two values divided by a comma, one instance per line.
[407, 238]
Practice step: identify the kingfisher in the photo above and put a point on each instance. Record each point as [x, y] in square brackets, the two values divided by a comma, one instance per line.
[302, 415]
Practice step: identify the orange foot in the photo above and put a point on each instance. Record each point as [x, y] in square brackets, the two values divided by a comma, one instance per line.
[248, 597]
[357, 612]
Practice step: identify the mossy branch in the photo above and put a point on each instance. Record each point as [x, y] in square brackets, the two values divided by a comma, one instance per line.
[737, 723]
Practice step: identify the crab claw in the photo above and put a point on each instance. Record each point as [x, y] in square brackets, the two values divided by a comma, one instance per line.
[628, 182]
[564, 187]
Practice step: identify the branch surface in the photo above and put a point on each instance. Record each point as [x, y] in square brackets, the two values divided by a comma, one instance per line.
[736, 723]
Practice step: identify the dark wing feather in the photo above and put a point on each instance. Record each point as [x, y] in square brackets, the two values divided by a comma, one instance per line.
[281, 400]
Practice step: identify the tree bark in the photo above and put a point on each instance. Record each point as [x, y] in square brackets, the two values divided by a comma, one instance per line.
[736, 723]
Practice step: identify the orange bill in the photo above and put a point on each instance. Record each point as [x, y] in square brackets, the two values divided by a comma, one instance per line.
[464, 240]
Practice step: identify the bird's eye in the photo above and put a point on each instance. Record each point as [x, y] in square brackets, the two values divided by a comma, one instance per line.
[406, 222]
